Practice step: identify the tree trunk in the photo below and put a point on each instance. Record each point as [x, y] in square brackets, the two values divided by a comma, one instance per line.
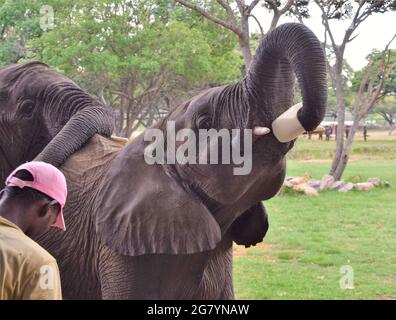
[122, 107]
[244, 42]
[274, 21]
[129, 120]
[246, 53]
[338, 84]
[344, 158]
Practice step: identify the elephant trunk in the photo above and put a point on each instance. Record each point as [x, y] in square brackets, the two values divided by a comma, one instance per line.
[80, 116]
[270, 80]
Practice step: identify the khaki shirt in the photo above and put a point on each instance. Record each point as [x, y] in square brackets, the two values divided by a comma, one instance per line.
[27, 271]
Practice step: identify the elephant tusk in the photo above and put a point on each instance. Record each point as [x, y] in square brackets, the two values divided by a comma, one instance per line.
[261, 131]
[287, 127]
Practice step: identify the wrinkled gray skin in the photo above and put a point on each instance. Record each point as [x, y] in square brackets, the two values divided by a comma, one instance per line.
[183, 218]
[39, 106]
[166, 232]
[45, 116]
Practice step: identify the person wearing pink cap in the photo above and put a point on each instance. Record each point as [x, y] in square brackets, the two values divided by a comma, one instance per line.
[30, 204]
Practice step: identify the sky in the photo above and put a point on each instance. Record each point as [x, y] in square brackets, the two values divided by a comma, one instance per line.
[374, 33]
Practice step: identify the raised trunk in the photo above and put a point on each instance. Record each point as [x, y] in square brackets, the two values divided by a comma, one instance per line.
[270, 81]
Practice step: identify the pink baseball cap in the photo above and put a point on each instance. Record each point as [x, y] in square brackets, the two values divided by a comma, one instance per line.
[46, 179]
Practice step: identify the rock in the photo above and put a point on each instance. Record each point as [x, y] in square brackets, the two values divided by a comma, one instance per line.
[306, 189]
[326, 182]
[299, 180]
[375, 181]
[309, 191]
[337, 185]
[356, 179]
[384, 184]
[287, 184]
[314, 184]
[364, 186]
[347, 187]
[299, 188]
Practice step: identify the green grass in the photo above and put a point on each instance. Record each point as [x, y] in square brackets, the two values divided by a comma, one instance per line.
[310, 238]
[384, 149]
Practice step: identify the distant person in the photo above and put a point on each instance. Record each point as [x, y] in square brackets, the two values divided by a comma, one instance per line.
[328, 132]
[347, 132]
[365, 133]
[31, 202]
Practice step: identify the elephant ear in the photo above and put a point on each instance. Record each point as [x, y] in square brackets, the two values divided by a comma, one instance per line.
[140, 210]
[250, 227]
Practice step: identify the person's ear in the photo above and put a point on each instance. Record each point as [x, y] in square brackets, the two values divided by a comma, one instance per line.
[143, 209]
[43, 208]
[46, 211]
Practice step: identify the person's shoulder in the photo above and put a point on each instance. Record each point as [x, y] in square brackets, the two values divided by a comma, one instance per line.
[27, 249]
[38, 251]
[35, 252]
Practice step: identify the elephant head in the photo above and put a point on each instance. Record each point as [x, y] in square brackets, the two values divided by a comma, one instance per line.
[45, 115]
[188, 208]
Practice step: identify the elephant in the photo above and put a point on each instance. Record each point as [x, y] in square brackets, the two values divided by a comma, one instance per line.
[174, 224]
[166, 231]
[45, 115]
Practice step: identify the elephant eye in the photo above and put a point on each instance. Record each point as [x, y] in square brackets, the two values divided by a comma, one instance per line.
[204, 122]
[26, 108]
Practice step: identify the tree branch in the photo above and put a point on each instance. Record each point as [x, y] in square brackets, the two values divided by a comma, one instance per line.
[278, 12]
[241, 5]
[325, 22]
[230, 13]
[374, 93]
[258, 23]
[273, 5]
[252, 6]
[286, 7]
[211, 17]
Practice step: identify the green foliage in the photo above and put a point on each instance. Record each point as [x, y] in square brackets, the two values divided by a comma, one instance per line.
[390, 84]
[19, 22]
[124, 36]
[124, 49]
[386, 108]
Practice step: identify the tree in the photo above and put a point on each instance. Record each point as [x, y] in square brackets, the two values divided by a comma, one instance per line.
[357, 12]
[372, 88]
[19, 22]
[390, 84]
[387, 110]
[386, 107]
[235, 15]
[348, 75]
[137, 56]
